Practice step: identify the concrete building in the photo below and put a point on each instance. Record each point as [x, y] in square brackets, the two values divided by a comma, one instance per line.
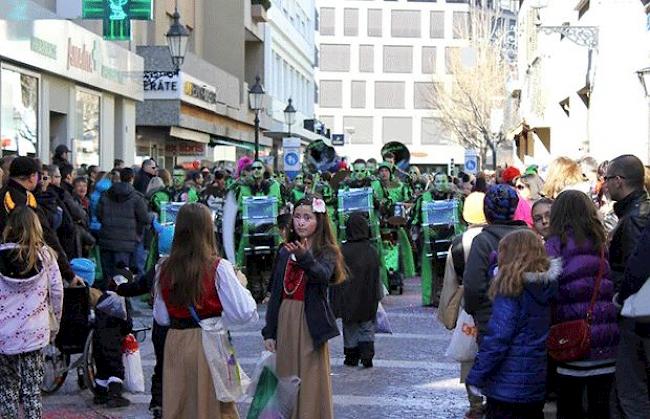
[290, 58]
[378, 63]
[578, 91]
[62, 83]
[202, 113]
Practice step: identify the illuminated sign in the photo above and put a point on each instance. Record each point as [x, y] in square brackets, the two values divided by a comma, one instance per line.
[117, 15]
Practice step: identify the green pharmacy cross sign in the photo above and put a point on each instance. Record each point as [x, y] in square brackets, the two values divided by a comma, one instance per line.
[117, 15]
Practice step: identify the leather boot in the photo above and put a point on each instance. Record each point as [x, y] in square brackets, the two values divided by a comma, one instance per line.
[115, 398]
[351, 357]
[367, 352]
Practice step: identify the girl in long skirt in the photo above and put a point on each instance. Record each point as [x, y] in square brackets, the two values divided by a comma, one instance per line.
[299, 321]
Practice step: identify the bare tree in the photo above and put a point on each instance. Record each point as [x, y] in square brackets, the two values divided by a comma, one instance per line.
[476, 84]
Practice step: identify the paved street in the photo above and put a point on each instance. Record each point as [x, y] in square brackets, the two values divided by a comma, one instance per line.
[411, 377]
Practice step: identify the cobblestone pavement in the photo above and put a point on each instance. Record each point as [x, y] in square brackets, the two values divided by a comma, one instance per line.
[411, 377]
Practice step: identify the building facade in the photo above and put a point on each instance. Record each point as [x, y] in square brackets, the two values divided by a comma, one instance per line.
[202, 112]
[62, 83]
[578, 91]
[378, 62]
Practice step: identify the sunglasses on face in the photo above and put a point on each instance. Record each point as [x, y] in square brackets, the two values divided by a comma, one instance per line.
[258, 168]
[45, 178]
[521, 187]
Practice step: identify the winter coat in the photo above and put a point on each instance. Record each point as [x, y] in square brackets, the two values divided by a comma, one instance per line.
[633, 214]
[24, 318]
[320, 319]
[100, 187]
[141, 182]
[356, 299]
[476, 280]
[637, 273]
[511, 362]
[123, 214]
[19, 196]
[580, 267]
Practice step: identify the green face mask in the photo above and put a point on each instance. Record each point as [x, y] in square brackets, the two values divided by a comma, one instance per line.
[298, 180]
[360, 171]
[441, 184]
[179, 178]
[258, 171]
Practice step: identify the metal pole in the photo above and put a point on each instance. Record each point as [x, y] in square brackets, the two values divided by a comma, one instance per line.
[257, 134]
[494, 153]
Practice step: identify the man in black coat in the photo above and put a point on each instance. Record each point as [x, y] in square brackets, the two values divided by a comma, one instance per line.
[146, 173]
[624, 181]
[122, 212]
[24, 175]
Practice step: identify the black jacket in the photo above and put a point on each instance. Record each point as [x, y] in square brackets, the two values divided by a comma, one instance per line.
[320, 319]
[477, 278]
[141, 182]
[637, 272]
[356, 299]
[633, 213]
[18, 196]
[123, 214]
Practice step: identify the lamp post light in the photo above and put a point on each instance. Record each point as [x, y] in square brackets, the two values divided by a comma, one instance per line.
[644, 78]
[177, 38]
[290, 115]
[256, 99]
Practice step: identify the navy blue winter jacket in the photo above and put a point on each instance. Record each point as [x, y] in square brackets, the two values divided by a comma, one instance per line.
[511, 363]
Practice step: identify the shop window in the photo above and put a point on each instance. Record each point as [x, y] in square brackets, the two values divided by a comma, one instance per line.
[87, 128]
[19, 112]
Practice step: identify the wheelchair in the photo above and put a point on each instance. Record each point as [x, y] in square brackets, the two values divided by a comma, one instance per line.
[75, 340]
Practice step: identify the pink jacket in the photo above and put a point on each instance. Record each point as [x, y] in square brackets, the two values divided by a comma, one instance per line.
[24, 317]
[524, 211]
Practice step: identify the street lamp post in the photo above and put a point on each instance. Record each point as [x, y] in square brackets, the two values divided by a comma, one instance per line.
[256, 99]
[290, 115]
[177, 38]
[644, 78]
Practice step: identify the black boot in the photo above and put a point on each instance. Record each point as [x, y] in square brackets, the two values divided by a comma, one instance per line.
[367, 352]
[351, 357]
[101, 394]
[115, 398]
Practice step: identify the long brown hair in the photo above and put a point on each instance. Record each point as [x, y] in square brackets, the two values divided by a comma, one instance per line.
[24, 229]
[323, 242]
[193, 255]
[519, 252]
[573, 212]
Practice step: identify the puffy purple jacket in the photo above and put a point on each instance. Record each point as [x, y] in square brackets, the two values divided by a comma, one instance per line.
[580, 266]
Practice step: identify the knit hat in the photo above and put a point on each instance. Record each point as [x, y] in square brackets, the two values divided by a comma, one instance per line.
[500, 203]
[23, 166]
[473, 208]
[510, 174]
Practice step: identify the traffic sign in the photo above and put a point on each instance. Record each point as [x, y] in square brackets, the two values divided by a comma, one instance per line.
[471, 162]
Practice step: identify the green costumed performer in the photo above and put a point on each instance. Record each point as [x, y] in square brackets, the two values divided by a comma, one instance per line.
[359, 179]
[437, 232]
[182, 191]
[397, 194]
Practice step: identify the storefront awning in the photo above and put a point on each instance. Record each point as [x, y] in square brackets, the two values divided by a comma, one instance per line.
[243, 145]
[189, 135]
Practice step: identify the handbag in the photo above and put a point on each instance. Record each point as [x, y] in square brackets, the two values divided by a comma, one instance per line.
[462, 346]
[637, 306]
[571, 341]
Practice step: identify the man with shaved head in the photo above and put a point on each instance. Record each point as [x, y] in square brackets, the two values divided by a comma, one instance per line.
[624, 181]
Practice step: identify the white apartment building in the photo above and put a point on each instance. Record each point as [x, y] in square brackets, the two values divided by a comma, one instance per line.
[576, 100]
[378, 62]
[289, 64]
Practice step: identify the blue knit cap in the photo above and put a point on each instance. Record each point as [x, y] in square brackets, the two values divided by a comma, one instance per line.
[500, 203]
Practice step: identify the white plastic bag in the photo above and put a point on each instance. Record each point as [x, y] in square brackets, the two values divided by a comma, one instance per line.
[273, 397]
[463, 346]
[382, 325]
[230, 380]
[113, 305]
[133, 375]
[637, 306]
[239, 306]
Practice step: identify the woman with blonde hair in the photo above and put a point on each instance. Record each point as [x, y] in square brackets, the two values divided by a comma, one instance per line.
[564, 173]
[30, 287]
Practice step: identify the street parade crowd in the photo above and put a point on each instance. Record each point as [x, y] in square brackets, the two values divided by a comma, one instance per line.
[541, 272]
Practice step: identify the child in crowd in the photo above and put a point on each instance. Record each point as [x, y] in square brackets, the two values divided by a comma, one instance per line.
[510, 368]
[541, 213]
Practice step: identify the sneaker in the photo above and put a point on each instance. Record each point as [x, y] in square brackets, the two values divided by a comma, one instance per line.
[101, 395]
[115, 398]
[156, 412]
[475, 414]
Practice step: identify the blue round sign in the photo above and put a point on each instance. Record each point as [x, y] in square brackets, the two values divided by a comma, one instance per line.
[291, 159]
[470, 165]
